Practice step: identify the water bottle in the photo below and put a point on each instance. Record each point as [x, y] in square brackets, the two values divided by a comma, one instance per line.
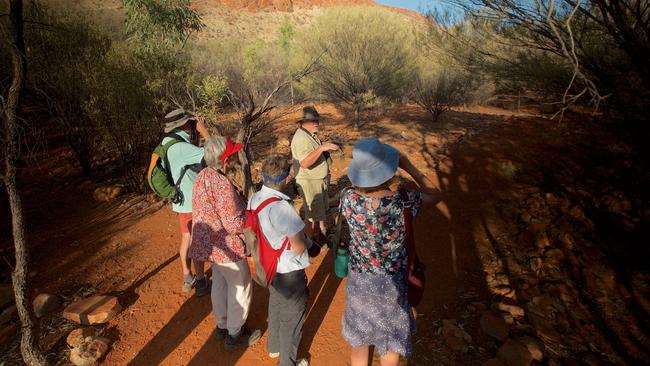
[341, 261]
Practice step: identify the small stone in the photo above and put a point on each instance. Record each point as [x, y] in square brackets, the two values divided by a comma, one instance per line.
[6, 295]
[45, 304]
[455, 337]
[8, 314]
[514, 353]
[91, 350]
[535, 347]
[494, 325]
[505, 291]
[106, 193]
[93, 310]
[6, 332]
[513, 310]
[77, 336]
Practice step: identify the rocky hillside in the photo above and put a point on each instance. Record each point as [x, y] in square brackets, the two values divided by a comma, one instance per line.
[279, 5]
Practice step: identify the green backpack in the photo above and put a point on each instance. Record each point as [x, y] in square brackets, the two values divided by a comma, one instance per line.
[159, 176]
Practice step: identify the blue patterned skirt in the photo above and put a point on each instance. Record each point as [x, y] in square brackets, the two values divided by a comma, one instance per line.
[377, 312]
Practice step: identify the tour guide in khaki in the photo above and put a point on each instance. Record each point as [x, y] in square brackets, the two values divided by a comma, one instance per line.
[311, 163]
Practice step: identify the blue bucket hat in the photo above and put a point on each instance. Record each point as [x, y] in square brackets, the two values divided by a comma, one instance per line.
[373, 163]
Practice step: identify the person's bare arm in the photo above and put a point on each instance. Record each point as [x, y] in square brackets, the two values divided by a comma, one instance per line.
[313, 156]
[299, 242]
[431, 194]
[201, 128]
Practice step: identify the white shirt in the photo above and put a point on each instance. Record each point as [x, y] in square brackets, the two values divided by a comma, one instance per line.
[277, 221]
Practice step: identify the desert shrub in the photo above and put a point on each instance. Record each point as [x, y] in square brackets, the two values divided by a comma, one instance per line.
[439, 91]
[61, 61]
[593, 50]
[362, 51]
[125, 111]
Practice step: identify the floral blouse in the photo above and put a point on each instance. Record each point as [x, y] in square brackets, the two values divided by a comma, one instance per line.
[217, 219]
[377, 241]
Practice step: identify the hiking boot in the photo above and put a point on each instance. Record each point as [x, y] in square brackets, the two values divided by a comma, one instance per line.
[201, 287]
[245, 338]
[220, 334]
[188, 283]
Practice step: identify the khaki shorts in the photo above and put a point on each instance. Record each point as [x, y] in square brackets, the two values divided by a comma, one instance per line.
[314, 197]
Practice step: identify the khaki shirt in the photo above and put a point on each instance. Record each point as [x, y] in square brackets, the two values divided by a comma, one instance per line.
[302, 144]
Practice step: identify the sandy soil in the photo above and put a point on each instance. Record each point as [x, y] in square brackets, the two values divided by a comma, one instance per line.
[128, 247]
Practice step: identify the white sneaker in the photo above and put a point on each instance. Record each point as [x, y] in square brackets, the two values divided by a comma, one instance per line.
[274, 354]
[302, 362]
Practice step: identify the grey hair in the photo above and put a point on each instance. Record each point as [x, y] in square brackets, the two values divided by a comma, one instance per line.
[213, 149]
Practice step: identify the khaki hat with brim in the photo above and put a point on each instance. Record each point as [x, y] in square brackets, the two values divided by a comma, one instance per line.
[177, 118]
[310, 114]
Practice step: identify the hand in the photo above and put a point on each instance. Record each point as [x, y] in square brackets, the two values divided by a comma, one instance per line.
[328, 146]
[201, 128]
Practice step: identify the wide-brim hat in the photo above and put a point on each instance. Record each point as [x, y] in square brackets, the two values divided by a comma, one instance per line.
[310, 113]
[177, 118]
[373, 163]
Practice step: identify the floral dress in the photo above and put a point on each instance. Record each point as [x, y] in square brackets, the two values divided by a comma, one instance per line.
[217, 219]
[376, 302]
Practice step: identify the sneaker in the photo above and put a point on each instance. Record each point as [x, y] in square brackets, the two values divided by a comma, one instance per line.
[220, 334]
[274, 354]
[302, 362]
[188, 283]
[245, 338]
[201, 287]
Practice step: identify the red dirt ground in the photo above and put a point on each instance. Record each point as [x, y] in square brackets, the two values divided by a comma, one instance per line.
[129, 248]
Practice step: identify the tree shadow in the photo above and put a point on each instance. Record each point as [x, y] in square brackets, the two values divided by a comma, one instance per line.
[322, 288]
[212, 351]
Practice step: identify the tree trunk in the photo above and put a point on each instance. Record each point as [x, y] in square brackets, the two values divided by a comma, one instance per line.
[29, 341]
[244, 159]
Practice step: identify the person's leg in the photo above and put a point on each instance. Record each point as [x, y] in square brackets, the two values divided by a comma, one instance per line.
[390, 359]
[240, 291]
[359, 356]
[305, 190]
[199, 269]
[185, 221]
[219, 297]
[319, 207]
[292, 315]
[275, 303]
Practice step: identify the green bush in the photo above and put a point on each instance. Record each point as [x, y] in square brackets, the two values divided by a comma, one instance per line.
[361, 51]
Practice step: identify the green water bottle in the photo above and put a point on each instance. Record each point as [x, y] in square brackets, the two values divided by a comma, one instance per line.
[341, 261]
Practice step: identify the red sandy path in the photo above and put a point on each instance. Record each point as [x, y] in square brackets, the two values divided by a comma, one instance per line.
[137, 259]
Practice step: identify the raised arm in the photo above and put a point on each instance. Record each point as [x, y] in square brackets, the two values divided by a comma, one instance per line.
[313, 156]
[431, 194]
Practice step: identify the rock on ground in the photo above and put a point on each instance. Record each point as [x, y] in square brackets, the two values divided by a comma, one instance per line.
[106, 193]
[45, 304]
[91, 350]
[535, 347]
[494, 325]
[455, 337]
[514, 353]
[513, 310]
[93, 310]
[77, 336]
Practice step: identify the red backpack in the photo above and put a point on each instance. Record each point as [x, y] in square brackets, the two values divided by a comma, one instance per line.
[263, 259]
